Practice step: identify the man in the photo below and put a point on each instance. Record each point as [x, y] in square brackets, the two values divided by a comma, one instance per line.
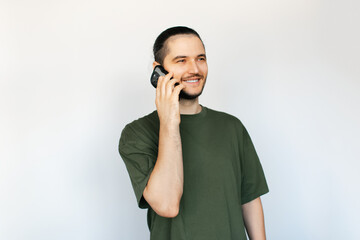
[195, 169]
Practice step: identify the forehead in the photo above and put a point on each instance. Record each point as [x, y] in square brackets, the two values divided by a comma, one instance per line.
[184, 45]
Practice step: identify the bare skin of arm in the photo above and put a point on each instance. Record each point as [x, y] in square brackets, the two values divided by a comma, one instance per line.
[254, 219]
[165, 186]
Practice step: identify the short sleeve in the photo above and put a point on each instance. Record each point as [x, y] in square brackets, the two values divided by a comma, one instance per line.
[139, 158]
[253, 183]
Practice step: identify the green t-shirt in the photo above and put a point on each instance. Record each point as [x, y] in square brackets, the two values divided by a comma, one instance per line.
[221, 172]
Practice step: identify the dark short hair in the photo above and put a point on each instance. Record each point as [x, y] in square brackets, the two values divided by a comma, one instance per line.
[160, 48]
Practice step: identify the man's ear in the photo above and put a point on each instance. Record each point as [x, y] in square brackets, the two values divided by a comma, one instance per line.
[155, 63]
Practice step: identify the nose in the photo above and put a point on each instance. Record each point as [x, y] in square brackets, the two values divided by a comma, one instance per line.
[193, 68]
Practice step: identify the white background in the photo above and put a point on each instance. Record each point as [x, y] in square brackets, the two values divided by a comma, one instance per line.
[73, 73]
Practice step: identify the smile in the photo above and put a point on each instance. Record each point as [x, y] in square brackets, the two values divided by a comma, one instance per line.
[192, 81]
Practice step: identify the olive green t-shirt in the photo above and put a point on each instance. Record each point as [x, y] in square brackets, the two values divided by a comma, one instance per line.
[221, 172]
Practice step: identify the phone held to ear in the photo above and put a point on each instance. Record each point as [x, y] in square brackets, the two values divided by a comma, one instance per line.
[158, 71]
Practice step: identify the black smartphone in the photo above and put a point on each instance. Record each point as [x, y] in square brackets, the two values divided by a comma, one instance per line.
[158, 71]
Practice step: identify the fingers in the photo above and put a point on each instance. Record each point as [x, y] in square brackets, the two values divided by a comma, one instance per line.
[166, 88]
[163, 88]
[160, 86]
[177, 90]
[158, 91]
[170, 86]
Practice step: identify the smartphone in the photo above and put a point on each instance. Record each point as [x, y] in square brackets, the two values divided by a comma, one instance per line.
[158, 71]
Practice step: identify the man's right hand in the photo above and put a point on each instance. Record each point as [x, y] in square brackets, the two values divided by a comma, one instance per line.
[167, 100]
[165, 186]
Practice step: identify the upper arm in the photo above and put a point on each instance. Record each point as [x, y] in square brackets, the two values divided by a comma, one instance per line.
[139, 158]
[253, 182]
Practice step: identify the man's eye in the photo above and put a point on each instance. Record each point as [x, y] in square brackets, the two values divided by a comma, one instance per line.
[182, 60]
[202, 59]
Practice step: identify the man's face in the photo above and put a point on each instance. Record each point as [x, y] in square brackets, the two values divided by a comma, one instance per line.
[187, 60]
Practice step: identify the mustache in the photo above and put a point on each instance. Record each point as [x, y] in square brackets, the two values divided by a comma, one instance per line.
[192, 76]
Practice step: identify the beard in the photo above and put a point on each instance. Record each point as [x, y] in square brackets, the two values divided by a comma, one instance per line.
[184, 95]
[187, 96]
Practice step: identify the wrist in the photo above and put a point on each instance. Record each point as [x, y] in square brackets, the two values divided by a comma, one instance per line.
[170, 130]
[169, 126]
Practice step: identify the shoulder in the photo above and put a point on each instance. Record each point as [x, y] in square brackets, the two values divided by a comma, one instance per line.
[141, 128]
[223, 117]
[148, 121]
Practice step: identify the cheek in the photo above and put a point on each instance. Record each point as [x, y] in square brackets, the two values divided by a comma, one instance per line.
[178, 74]
[204, 69]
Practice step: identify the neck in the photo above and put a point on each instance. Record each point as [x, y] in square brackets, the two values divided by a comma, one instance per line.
[190, 106]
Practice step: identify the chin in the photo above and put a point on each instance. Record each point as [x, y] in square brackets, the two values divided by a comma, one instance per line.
[189, 96]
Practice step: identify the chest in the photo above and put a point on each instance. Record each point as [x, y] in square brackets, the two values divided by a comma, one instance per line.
[210, 153]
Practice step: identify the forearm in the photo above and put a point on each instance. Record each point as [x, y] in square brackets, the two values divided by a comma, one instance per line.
[165, 186]
[254, 219]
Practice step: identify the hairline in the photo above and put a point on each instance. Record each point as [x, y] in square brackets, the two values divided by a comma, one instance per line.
[165, 50]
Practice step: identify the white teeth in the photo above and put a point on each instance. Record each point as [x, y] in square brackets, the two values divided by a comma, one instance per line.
[191, 80]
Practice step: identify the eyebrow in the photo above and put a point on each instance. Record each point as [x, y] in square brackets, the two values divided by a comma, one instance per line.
[200, 55]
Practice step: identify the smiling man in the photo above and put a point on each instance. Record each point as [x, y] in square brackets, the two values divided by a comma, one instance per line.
[195, 169]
